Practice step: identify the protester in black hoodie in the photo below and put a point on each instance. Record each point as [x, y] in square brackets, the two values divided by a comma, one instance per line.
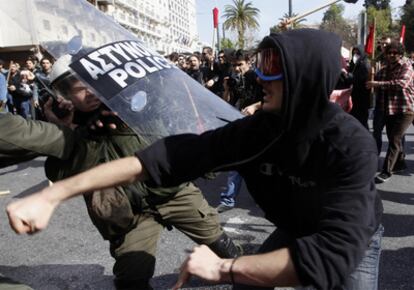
[308, 165]
[359, 69]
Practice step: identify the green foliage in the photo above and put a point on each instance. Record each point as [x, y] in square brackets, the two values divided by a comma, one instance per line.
[275, 29]
[239, 17]
[334, 13]
[226, 43]
[407, 18]
[378, 4]
[296, 25]
[383, 21]
[334, 21]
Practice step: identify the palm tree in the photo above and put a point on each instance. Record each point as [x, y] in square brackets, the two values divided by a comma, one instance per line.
[239, 17]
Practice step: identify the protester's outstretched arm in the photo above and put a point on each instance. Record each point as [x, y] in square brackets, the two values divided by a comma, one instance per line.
[267, 270]
[31, 214]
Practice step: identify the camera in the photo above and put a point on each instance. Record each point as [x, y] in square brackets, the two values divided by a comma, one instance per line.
[234, 81]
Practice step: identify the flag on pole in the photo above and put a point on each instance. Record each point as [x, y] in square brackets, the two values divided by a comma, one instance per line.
[369, 44]
[215, 17]
[402, 35]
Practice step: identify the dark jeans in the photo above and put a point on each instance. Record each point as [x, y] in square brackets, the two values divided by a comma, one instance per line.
[378, 125]
[365, 276]
[23, 107]
[234, 182]
[396, 125]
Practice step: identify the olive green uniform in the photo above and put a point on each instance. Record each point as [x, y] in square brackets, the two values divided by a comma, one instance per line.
[22, 140]
[131, 217]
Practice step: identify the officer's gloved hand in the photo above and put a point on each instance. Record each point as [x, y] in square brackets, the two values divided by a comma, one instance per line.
[59, 111]
[105, 119]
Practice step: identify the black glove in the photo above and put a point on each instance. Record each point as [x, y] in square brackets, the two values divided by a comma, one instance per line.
[351, 1]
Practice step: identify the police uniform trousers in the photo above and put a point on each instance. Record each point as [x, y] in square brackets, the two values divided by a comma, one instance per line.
[188, 212]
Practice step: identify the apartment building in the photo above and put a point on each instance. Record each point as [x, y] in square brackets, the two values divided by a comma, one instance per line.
[164, 25]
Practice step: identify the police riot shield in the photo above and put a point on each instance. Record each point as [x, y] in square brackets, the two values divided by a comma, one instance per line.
[150, 94]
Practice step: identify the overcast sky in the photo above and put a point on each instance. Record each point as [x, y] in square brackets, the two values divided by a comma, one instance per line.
[271, 11]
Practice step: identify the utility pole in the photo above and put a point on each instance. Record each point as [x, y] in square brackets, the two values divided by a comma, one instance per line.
[290, 9]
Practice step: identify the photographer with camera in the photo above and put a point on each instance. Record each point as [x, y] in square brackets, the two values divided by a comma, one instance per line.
[241, 90]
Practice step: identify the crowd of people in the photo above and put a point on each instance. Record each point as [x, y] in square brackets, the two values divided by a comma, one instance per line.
[305, 161]
[388, 95]
[25, 87]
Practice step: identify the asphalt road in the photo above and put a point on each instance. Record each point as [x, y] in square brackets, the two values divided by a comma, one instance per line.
[71, 255]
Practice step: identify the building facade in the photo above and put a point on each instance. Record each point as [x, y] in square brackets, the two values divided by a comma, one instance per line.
[164, 25]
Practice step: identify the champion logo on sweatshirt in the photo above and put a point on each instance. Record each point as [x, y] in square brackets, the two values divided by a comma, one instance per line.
[301, 183]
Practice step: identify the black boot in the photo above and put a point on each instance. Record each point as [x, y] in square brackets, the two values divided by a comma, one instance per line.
[224, 247]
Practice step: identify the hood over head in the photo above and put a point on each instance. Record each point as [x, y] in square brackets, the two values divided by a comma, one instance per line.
[311, 66]
[361, 50]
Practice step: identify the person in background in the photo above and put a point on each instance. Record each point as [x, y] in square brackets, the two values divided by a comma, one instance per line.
[359, 69]
[181, 62]
[42, 89]
[194, 70]
[22, 92]
[394, 86]
[3, 94]
[224, 70]
[210, 70]
[242, 91]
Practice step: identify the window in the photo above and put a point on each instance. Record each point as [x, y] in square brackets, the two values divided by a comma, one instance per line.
[46, 24]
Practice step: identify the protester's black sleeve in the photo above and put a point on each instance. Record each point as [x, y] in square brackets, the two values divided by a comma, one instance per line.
[181, 158]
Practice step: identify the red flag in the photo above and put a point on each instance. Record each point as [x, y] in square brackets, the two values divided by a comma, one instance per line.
[215, 17]
[402, 35]
[369, 44]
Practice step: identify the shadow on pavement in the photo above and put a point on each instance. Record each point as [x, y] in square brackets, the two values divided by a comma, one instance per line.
[68, 277]
[166, 281]
[22, 166]
[33, 189]
[398, 197]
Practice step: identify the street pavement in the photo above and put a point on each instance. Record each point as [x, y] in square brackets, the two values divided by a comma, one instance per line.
[70, 254]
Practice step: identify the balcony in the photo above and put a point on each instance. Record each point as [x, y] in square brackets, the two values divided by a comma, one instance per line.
[129, 4]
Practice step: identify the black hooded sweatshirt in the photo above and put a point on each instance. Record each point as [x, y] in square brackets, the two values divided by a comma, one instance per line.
[310, 169]
[360, 72]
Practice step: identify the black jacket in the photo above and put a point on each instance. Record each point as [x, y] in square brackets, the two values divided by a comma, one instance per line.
[310, 169]
[360, 72]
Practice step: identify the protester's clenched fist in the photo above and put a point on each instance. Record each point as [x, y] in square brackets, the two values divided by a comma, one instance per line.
[30, 214]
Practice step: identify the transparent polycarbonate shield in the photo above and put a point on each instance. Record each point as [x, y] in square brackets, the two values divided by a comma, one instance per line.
[150, 94]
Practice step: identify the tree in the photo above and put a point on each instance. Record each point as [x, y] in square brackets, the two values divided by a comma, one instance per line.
[296, 25]
[239, 17]
[226, 43]
[378, 4]
[383, 21]
[407, 18]
[334, 21]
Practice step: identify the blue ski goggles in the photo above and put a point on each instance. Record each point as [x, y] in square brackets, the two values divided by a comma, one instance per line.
[268, 66]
